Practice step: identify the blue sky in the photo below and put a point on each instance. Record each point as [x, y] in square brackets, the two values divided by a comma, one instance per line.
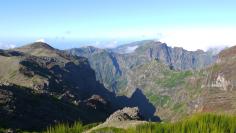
[106, 23]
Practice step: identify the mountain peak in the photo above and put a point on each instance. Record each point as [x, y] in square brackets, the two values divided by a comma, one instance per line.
[38, 44]
[38, 49]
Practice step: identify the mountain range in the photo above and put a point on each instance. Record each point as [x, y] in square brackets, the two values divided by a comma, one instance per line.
[176, 81]
[43, 86]
[112, 66]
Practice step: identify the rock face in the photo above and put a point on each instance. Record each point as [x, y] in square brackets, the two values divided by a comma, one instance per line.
[170, 78]
[125, 114]
[182, 93]
[221, 82]
[106, 65]
[113, 66]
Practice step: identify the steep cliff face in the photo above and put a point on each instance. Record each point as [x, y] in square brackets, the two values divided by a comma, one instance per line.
[177, 94]
[174, 94]
[178, 58]
[108, 69]
[113, 66]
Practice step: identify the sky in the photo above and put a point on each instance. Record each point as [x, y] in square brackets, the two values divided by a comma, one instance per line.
[192, 24]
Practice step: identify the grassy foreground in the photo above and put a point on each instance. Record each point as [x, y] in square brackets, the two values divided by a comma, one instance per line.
[66, 128]
[200, 123]
[204, 123]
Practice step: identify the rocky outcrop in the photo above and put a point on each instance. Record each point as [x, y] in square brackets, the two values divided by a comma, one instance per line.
[125, 114]
[221, 83]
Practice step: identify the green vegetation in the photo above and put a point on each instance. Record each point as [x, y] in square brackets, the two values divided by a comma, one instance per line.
[179, 107]
[2, 130]
[216, 68]
[77, 127]
[172, 78]
[201, 123]
[65, 128]
[159, 100]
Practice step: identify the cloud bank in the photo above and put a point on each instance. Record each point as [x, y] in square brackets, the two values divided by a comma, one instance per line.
[199, 38]
[190, 38]
[6, 46]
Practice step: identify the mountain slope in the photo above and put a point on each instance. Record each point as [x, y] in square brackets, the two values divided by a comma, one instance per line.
[173, 93]
[107, 68]
[221, 83]
[43, 68]
[112, 66]
[24, 109]
[177, 94]
[38, 81]
[41, 86]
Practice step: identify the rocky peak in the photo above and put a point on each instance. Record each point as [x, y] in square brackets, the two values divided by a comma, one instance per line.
[125, 114]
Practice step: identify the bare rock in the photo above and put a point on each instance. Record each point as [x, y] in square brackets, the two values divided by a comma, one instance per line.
[125, 114]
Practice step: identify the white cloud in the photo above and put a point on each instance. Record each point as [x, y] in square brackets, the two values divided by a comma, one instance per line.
[40, 40]
[104, 44]
[131, 49]
[190, 38]
[6, 46]
[199, 38]
[111, 44]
